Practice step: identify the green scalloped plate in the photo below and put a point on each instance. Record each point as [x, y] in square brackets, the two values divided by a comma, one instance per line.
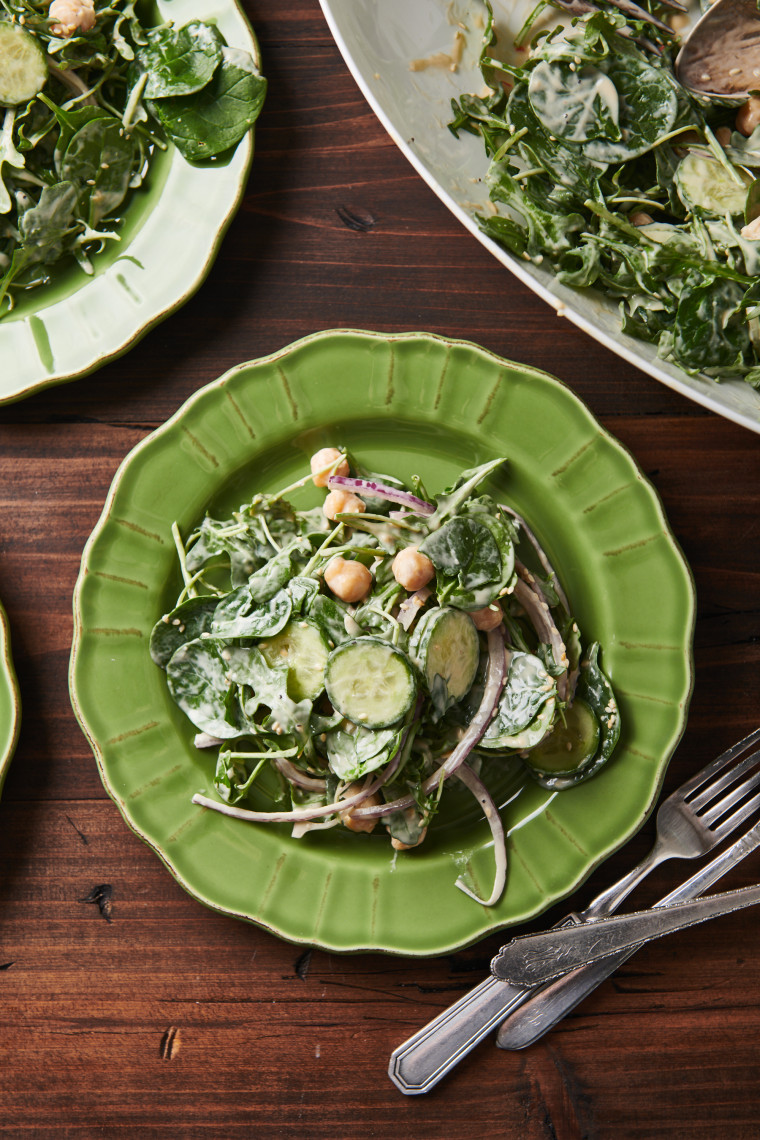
[412, 403]
[171, 233]
[10, 701]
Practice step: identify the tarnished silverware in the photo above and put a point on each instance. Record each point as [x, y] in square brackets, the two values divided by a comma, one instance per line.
[691, 822]
[531, 959]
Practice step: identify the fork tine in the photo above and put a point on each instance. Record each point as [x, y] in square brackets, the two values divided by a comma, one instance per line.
[718, 763]
[723, 782]
[734, 797]
[733, 821]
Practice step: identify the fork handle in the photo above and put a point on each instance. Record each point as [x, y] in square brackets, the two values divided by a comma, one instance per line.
[610, 899]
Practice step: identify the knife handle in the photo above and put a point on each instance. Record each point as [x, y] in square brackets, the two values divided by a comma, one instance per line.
[552, 1002]
[422, 1061]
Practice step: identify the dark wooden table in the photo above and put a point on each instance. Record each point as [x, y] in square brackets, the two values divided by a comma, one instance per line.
[157, 1017]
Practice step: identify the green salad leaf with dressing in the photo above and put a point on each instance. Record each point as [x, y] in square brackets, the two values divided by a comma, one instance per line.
[89, 91]
[606, 171]
[368, 650]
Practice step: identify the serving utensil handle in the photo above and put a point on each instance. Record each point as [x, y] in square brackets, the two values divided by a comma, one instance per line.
[422, 1061]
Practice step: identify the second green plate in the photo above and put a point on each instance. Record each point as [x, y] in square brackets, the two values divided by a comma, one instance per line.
[404, 404]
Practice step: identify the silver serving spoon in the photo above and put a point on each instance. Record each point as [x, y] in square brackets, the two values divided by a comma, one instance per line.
[721, 56]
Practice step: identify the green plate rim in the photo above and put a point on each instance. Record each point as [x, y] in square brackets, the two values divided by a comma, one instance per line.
[164, 301]
[483, 923]
[10, 697]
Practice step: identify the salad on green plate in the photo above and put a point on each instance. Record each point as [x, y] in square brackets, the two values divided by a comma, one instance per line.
[372, 648]
[416, 411]
[125, 140]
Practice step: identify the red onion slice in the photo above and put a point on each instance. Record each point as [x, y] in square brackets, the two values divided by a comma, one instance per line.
[299, 778]
[296, 815]
[495, 678]
[484, 798]
[539, 613]
[370, 487]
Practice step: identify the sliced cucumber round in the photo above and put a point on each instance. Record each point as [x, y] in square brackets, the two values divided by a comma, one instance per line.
[23, 67]
[445, 646]
[303, 648]
[571, 746]
[370, 682]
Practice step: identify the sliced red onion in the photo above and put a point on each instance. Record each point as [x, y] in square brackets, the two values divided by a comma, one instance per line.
[495, 678]
[299, 778]
[537, 609]
[370, 487]
[484, 798]
[314, 811]
[411, 606]
[542, 556]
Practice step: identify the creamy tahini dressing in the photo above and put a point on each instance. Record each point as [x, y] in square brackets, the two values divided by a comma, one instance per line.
[559, 101]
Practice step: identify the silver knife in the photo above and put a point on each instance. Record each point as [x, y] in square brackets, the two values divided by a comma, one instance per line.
[425, 1058]
[530, 959]
[547, 1005]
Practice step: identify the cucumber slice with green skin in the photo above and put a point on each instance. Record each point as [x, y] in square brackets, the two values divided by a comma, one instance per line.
[594, 701]
[446, 649]
[571, 746]
[370, 682]
[303, 648]
[23, 67]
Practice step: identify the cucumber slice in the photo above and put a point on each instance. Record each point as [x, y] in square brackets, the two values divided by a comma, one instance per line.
[303, 648]
[370, 682]
[446, 649]
[23, 67]
[571, 746]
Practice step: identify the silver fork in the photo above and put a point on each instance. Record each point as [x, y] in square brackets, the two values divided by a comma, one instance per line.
[690, 822]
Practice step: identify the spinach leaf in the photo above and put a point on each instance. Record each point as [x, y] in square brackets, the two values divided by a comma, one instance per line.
[100, 157]
[179, 61]
[353, 754]
[215, 118]
[199, 680]
[527, 689]
[185, 622]
[473, 556]
[43, 228]
[240, 615]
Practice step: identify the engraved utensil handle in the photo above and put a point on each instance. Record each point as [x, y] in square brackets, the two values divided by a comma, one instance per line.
[420, 1063]
[536, 958]
[548, 1004]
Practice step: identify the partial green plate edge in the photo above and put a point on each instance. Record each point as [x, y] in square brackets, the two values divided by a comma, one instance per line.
[668, 746]
[245, 149]
[10, 699]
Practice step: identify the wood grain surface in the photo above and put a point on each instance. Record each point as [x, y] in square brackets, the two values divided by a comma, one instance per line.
[129, 1010]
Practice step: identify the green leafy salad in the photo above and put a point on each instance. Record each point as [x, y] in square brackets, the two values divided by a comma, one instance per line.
[368, 650]
[606, 171]
[88, 93]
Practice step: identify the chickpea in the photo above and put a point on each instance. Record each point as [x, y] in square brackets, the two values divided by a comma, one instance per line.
[72, 16]
[338, 502]
[752, 230]
[397, 844]
[322, 459]
[360, 824]
[488, 618]
[349, 581]
[411, 569]
[723, 135]
[748, 116]
[639, 218]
